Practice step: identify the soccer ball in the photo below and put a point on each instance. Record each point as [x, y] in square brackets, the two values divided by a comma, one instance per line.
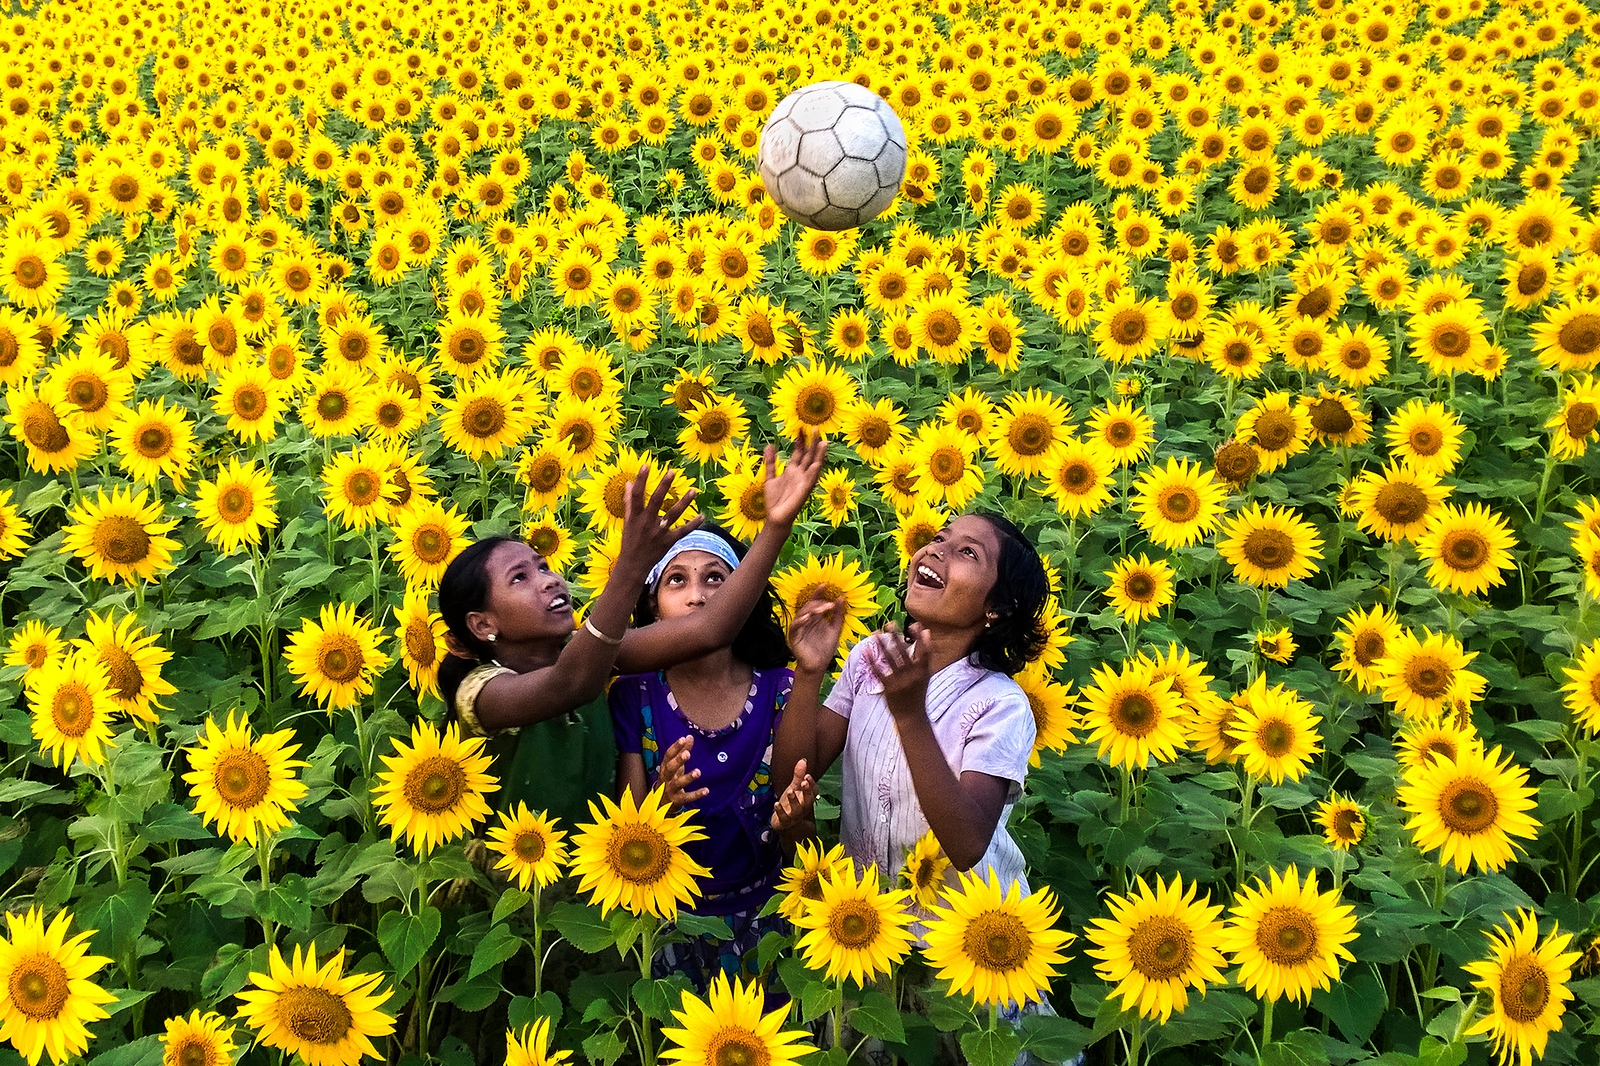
[832, 155]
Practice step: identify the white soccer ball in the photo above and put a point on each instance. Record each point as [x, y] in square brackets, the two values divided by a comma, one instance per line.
[832, 155]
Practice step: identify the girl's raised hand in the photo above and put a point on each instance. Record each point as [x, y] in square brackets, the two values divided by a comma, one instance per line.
[793, 808]
[646, 532]
[901, 667]
[786, 493]
[814, 634]
[677, 779]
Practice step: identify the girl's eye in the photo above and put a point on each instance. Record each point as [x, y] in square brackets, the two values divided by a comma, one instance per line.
[970, 552]
[718, 578]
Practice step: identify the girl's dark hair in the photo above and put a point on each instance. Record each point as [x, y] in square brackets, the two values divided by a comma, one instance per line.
[1020, 591]
[761, 642]
[464, 589]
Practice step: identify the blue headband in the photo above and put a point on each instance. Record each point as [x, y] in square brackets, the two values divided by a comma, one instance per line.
[699, 540]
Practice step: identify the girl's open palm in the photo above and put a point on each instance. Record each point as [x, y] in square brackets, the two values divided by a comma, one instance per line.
[786, 493]
[677, 779]
[647, 533]
[793, 808]
[814, 634]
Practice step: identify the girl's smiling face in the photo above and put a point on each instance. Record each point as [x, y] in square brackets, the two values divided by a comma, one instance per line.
[527, 600]
[690, 579]
[950, 578]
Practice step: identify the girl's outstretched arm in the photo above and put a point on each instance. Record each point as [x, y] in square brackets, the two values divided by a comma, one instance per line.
[671, 641]
[580, 672]
[814, 640]
[962, 812]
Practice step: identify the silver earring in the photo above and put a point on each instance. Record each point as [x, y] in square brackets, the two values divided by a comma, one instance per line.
[491, 638]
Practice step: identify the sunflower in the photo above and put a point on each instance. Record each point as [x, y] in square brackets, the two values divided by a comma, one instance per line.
[1276, 428]
[1357, 355]
[728, 1026]
[1575, 424]
[1052, 705]
[486, 416]
[632, 856]
[812, 399]
[1236, 463]
[198, 1040]
[247, 786]
[1397, 503]
[531, 1047]
[1470, 808]
[1132, 717]
[917, 526]
[469, 344]
[1365, 638]
[1139, 588]
[121, 538]
[1286, 937]
[48, 997]
[1127, 328]
[53, 444]
[355, 488]
[1276, 644]
[970, 411]
[855, 930]
[154, 440]
[1080, 478]
[1029, 433]
[1425, 740]
[433, 791]
[1275, 732]
[829, 578]
[235, 507]
[426, 539]
[1526, 979]
[14, 529]
[87, 390]
[1467, 548]
[1178, 504]
[72, 707]
[836, 496]
[1336, 418]
[1343, 822]
[947, 467]
[337, 658]
[1270, 546]
[994, 942]
[1156, 945]
[803, 878]
[1582, 688]
[1125, 430]
[532, 849]
[587, 428]
[716, 424]
[1425, 437]
[945, 326]
[923, 873]
[1419, 676]
[875, 429]
[338, 402]
[1569, 336]
[35, 644]
[132, 662]
[323, 1015]
[249, 398]
[551, 540]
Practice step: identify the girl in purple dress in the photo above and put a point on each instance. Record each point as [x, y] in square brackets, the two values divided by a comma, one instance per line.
[711, 731]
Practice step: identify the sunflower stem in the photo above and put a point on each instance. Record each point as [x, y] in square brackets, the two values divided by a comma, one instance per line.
[424, 966]
[1544, 486]
[1575, 867]
[269, 928]
[538, 941]
[647, 954]
[1266, 1022]
[1136, 1040]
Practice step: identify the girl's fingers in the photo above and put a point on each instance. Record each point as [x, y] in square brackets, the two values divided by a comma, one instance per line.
[682, 505]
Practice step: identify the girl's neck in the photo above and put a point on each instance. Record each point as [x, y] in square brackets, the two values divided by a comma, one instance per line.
[529, 655]
[719, 668]
[946, 646]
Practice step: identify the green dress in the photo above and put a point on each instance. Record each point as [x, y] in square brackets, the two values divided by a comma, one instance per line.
[558, 765]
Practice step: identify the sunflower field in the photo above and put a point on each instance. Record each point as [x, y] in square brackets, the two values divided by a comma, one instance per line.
[1273, 324]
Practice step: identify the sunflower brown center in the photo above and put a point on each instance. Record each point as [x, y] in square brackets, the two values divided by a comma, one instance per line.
[1331, 417]
[1161, 948]
[1428, 676]
[997, 941]
[1276, 738]
[341, 659]
[1368, 647]
[1580, 334]
[1468, 806]
[1349, 826]
[1426, 440]
[854, 923]
[1178, 503]
[1029, 435]
[315, 1015]
[1524, 990]
[122, 540]
[1401, 504]
[127, 680]
[1275, 430]
[192, 1051]
[1134, 715]
[1580, 419]
[1287, 936]
[544, 474]
[1237, 462]
[816, 405]
[943, 328]
[39, 987]
[432, 544]
[436, 784]
[1464, 549]
[1269, 549]
[713, 427]
[1140, 586]
[242, 778]
[483, 417]
[638, 854]
[154, 442]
